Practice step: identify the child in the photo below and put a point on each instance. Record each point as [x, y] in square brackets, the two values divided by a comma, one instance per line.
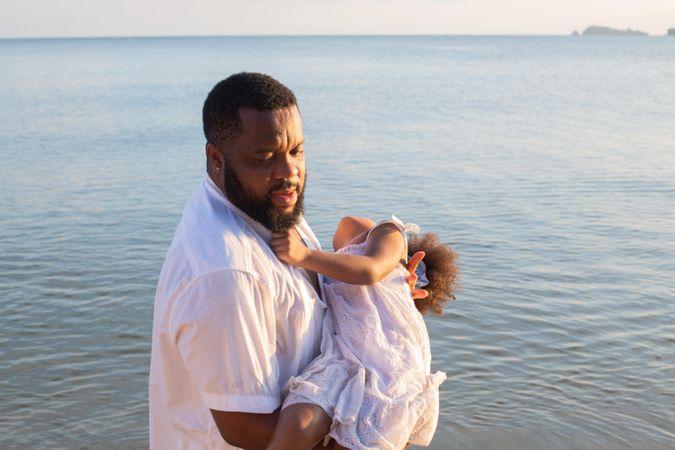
[371, 387]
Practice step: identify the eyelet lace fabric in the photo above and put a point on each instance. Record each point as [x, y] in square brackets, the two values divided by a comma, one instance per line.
[373, 375]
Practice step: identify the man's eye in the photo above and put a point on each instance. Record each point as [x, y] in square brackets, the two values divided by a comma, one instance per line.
[262, 162]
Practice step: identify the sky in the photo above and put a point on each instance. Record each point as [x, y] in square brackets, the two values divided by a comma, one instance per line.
[76, 18]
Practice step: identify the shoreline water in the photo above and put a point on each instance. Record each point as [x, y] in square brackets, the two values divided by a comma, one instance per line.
[546, 162]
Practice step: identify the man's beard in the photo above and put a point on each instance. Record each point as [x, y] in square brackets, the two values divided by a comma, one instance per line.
[261, 209]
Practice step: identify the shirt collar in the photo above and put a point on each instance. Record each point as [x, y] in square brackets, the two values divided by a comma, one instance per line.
[265, 234]
[215, 192]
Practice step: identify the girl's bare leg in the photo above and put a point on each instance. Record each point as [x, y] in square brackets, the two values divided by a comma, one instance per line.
[300, 427]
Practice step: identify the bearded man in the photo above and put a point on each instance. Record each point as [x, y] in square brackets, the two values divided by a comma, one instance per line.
[232, 323]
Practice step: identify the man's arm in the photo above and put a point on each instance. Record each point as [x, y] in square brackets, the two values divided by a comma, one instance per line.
[223, 331]
[254, 431]
[246, 430]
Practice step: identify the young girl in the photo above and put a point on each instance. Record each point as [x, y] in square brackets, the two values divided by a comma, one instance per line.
[371, 387]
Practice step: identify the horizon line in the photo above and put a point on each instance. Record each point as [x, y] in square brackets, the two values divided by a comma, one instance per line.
[168, 36]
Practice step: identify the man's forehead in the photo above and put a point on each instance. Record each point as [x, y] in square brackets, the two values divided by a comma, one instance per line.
[276, 121]
[271, 128]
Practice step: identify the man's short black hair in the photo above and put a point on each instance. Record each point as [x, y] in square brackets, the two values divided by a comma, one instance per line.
[242, 90]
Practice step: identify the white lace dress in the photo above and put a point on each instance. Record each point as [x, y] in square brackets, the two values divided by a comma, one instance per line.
[373, 375]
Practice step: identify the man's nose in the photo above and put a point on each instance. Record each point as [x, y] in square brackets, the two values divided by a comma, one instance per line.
[285, 167]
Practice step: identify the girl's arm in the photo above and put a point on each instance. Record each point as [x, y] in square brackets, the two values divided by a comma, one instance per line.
[384, 249]
[351, 228]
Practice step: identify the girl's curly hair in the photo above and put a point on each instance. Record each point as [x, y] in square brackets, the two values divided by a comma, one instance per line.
[442, 272]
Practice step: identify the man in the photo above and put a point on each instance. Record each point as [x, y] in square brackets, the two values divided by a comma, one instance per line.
[232, 323]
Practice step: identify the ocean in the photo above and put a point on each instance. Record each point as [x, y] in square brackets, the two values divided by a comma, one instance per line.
[548, 163]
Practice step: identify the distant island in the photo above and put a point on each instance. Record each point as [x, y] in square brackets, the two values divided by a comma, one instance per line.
[607, 31]
[671, 32]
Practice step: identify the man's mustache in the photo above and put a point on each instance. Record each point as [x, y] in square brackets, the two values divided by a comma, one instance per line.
[286, 184]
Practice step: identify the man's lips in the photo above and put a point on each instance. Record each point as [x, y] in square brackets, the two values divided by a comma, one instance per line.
[284, 197]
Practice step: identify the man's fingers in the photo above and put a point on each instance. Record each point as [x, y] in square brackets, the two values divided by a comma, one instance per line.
[419, 294]
[411, 279]
[414, 261]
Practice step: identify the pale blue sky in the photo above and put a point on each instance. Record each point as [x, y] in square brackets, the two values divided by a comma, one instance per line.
[46, 18]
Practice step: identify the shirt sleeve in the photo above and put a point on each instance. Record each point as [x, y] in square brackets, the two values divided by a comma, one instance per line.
[223, 327]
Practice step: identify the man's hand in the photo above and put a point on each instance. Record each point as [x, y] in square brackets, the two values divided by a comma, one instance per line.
[413, 262]
[289, 247]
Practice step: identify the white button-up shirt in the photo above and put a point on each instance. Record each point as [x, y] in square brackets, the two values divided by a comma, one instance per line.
[231, 324]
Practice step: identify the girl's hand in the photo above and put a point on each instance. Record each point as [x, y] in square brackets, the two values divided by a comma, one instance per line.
[289, 247]
[413, 262]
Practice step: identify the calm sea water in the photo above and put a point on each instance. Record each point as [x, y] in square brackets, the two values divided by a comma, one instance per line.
[549, 163]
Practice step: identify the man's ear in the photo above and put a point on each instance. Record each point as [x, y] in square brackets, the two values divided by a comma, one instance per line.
[214, 156]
